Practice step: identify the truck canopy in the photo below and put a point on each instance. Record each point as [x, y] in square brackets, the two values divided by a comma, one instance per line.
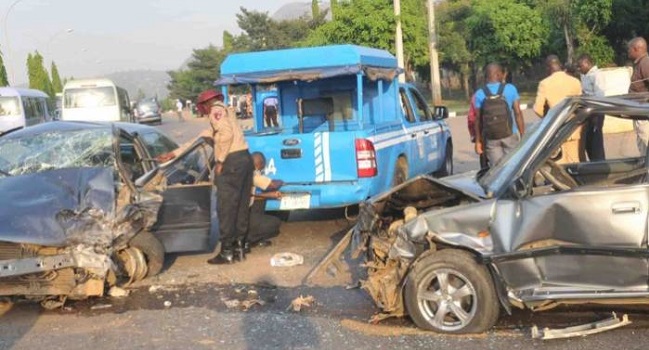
[307, 64]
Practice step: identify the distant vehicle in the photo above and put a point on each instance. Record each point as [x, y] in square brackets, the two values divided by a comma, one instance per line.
[148, 111]
[345, 129]
[96, 100]
[22, 107]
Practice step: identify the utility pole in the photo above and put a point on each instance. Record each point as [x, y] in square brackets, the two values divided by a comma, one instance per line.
[399, 40]
[435, 85]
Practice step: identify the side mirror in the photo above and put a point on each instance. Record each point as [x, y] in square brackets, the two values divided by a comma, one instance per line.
[441, 112]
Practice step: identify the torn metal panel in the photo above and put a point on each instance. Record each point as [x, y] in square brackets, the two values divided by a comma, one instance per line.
[582, 330]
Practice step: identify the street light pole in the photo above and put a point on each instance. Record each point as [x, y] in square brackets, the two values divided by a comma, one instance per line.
[435, 84]
[11, 61]
[399, 40]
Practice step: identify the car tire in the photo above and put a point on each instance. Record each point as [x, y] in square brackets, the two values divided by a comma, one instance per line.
[469, 292]
[153, 251]
[447, 167]
[400, 172]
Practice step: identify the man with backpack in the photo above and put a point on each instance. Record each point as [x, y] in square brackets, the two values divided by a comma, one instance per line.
[499, 124]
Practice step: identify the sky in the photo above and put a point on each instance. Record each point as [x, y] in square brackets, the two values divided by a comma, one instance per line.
[89, 38]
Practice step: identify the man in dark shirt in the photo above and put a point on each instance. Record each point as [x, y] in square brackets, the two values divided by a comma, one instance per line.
[640, 83]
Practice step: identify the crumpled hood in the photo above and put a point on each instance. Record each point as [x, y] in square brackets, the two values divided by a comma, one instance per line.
[466, 182]
[44, 208]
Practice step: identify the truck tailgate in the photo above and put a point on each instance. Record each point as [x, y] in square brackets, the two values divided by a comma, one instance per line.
[308, 158]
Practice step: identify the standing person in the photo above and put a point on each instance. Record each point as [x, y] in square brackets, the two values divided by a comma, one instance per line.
[640, 83]
[233, 174]
[270, 111]
[557, 86]
[179, 110]
[593, 130]
[471, 117]
[497, 129]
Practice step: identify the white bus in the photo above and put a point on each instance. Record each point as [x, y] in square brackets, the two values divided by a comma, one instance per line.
[20, 108]
[97, 100]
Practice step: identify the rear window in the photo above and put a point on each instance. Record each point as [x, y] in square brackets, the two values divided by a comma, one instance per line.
[9, 106]
[89, 97]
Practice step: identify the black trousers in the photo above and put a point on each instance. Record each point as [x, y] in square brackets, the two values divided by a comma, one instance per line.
[233, 198]
[594, 138]
[262, 226]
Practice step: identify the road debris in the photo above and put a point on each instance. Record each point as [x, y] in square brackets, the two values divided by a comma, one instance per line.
[298, 303]
[581, 330]
[53, 303]
[231, 303]
[286, 260]
[117, 292]
[101, 306]
[247, 304]
[167, 304]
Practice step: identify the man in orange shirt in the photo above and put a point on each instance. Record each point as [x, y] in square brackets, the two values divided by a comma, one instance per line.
[557, 86]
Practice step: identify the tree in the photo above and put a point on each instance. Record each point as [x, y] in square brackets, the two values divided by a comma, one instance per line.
[629, 19]
[453, 35]
[39, 79]
[57, 85]
[505, 31]
[140, 95]
[372, 23]
[4, 81]
[228, 41]
[315, 9]
[202, 70]
[332, 7]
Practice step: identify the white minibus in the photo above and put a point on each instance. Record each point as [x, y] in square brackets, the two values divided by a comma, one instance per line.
[20, 108]
[97, 100]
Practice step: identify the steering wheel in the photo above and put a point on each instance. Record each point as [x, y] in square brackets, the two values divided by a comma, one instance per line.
[563, 181]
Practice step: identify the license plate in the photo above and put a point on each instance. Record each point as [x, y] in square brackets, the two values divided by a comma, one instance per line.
[291, 201]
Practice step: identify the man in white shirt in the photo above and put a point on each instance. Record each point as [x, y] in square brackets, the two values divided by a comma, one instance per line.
[593, 136]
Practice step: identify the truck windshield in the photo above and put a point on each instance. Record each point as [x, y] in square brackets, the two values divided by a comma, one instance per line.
[90, 97]
[9, 106]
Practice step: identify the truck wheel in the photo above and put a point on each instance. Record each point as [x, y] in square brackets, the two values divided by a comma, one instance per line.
[447, 167]
[400, 172]
[153, 250]
[448, 292]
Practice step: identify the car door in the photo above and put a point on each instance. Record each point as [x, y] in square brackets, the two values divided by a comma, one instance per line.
[589, 239]
[430, 133]
[187, 220]
[415, 143]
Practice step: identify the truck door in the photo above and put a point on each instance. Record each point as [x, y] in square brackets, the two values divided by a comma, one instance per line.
[431, 133]
[415, 145]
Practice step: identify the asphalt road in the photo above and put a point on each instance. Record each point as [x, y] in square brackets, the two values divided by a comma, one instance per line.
[194, 305]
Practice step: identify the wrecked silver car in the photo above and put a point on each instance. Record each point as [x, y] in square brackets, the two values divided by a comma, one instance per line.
[527, 233]
[85, 206]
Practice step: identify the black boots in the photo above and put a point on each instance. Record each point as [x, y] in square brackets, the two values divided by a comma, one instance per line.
[226, 256]
[241, 250]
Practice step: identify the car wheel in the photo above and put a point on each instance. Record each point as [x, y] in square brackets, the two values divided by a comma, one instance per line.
[400, 172]
[447, 167]
[448, 292]
[153, 251]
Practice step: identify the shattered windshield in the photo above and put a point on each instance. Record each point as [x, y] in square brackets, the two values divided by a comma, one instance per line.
[502, 173]
[56, 150]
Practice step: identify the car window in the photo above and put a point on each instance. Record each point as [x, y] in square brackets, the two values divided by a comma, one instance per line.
[9, 105]
[421, 108]
[157, 143]
[131, 158]
[89, 97]
[405, 106]
[191, 168]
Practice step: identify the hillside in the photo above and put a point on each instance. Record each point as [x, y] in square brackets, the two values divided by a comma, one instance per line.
[152, 83]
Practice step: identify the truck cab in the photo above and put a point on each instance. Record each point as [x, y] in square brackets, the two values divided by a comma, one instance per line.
[347, 129]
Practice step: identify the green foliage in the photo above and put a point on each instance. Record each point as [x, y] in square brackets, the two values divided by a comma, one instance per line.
[57, 85]
[628, 20]
[505, 31]
[453, 34]
[202, 71]
[372, 23]
[4, 80]
[228, 41]
[39, 79]
[315, 9]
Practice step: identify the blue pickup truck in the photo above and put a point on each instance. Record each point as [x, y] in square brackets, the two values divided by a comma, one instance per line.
[347, 130]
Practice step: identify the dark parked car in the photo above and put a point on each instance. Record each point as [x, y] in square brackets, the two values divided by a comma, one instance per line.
[85, 205]
[148, 111]
[529, 233]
